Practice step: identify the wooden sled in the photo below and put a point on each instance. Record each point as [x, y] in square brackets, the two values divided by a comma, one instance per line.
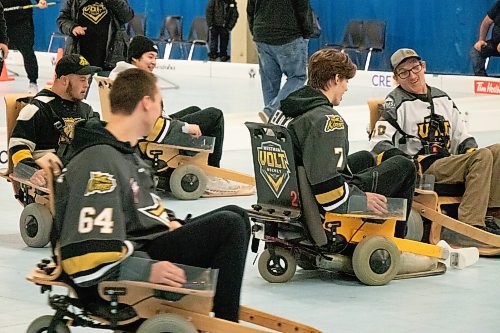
[429, 205]
[156, 306]
[183, 164]
[35, 221]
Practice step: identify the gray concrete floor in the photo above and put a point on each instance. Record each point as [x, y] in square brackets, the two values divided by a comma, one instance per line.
[459, 301]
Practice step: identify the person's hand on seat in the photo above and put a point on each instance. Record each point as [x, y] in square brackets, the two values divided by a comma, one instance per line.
[194, 130]
[48, 161]
[376, 203]
[164, 272]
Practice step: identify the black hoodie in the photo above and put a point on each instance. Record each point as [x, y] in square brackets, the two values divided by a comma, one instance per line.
[321, 145]
[106, 208]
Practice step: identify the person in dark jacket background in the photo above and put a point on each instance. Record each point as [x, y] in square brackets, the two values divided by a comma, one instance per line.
[96, 28]
[221, 19]
[21, 32]
[3, 39]
[281, 29]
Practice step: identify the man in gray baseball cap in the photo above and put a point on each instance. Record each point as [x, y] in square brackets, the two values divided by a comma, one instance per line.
[423, 121]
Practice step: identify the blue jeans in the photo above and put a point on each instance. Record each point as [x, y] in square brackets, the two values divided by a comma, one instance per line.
[479, 58]
[274, 61]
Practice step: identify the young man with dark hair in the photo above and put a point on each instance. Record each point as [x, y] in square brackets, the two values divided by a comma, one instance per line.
[321, 143]
[49, 118]
[423, 121]
[111, 225]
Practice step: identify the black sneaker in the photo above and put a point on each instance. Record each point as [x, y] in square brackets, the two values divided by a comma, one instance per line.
[490, 226]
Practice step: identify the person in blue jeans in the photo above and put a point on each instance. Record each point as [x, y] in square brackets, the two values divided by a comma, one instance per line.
[281, 29]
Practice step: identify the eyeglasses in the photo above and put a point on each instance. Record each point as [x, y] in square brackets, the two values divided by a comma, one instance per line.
[404, 74]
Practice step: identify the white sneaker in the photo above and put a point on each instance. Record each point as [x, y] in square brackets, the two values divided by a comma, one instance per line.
[219, 187]
[32, 88]
[459, 258]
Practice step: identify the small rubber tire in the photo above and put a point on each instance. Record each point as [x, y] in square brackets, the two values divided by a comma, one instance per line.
[41, 324]
[168, 322]
[376, 260]
[188, 182]
[280, 271]
[35, 225]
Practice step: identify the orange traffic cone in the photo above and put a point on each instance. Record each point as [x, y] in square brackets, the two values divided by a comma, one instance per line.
[59, 55]
[5, 74]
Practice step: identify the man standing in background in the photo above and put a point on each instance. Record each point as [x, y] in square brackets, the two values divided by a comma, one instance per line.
[281, 30]
[96, 30]
[21, 33]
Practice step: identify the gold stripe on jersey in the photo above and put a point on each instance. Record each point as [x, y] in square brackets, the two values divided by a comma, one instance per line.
[90, 261]
[20, 155]
[330, 196]
[157, 130]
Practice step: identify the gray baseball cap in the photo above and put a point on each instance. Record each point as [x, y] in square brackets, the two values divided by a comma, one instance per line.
[401, 55]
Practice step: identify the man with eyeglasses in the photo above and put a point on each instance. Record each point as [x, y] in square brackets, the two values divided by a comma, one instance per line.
[423, 121]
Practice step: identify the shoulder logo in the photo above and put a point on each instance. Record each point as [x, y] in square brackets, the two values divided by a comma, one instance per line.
[389, 103]
[156, 210]
[333, 122]
[100, 182]
[274, 166]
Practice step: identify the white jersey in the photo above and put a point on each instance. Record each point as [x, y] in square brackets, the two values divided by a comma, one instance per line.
[412, 113]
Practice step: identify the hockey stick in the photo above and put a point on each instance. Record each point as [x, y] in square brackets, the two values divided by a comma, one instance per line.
[8, 9]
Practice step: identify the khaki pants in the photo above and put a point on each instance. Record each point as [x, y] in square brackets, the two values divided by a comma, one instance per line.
[480, 171]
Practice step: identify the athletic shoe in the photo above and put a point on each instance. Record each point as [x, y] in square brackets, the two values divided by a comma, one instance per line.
[219, 187]
[490, 226]
[32, 88]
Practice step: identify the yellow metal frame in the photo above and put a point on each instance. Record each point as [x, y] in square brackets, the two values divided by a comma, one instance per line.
[355, 228]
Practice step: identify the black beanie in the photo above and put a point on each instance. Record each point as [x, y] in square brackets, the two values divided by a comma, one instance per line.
[140, 45]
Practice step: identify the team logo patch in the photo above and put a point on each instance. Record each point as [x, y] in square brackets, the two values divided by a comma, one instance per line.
[156, 210]
[389, 103]
[274, 166]
[333, 122]
[69, 129]
[95, 12]
[100, 182]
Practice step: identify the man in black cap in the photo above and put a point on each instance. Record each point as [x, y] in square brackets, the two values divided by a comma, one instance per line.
[47, 122]
[424, 122]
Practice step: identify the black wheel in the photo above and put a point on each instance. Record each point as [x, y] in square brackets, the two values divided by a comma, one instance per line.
[41, 325]
[279, 270]
[414, 226]
[167, 323]
[35, 225]
[188, 182]
[376, 260]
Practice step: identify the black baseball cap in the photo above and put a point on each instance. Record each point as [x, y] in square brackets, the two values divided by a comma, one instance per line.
[75, 64]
